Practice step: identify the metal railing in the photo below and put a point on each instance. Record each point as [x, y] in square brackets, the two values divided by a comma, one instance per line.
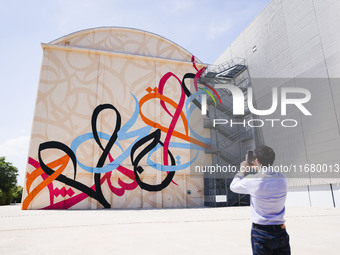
[224, 66]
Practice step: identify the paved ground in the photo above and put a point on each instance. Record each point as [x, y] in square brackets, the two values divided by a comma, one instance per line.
[158, 231]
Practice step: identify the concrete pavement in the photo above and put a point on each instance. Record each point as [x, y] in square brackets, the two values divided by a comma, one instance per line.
[158, 231]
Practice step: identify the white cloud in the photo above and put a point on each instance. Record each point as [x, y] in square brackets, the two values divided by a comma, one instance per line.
[16, 151]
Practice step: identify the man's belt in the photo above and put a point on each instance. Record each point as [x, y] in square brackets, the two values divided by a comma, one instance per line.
[280, 226]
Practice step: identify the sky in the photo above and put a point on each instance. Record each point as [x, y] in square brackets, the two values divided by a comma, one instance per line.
[203, 27]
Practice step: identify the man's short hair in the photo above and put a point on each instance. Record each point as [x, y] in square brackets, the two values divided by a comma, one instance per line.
[265, 155]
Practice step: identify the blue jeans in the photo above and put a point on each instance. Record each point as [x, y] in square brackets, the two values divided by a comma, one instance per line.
[269, 239]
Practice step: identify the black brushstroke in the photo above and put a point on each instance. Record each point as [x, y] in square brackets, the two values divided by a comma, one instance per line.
[97, 193]
[154, 137]
[62, 178]
[106, 150]
[187, 91]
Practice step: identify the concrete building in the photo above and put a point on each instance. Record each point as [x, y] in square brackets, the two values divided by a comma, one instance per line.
[295, 43]
[120, 123]
[110, 126]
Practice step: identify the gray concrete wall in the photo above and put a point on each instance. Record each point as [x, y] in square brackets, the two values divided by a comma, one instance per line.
[297, 39]
[315, 195]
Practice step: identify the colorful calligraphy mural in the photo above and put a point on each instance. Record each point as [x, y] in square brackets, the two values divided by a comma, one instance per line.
[111, 126]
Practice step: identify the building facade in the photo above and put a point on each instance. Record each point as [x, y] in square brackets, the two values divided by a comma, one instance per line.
[111, 127]
[120, 119]
[295, 43]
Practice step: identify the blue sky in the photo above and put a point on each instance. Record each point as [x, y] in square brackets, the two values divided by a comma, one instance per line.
[203, 27]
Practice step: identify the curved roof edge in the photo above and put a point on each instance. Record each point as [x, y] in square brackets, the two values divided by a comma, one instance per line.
[109, 28]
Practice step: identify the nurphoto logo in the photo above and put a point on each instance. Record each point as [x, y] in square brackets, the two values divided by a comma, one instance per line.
[239, 106]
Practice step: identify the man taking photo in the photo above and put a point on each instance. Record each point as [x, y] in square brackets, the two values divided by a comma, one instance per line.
[268, 191]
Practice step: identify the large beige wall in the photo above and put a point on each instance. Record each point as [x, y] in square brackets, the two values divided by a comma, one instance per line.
[123, 68]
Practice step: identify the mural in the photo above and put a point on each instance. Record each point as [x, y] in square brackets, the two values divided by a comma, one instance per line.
[111, 126]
